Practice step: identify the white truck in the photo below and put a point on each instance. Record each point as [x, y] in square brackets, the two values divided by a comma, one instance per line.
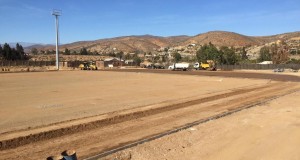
[179, 66]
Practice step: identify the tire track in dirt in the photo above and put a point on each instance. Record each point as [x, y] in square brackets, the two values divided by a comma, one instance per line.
[234, 105]
[32, 138]
[102, 139]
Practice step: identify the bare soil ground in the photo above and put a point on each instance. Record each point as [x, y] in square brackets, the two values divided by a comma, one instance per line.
[270, 131]
[93, 112]
[35, 99]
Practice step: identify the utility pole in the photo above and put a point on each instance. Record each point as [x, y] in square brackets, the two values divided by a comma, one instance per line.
[57, 13]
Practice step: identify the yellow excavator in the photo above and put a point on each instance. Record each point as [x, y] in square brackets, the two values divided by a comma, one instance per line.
[88, 66]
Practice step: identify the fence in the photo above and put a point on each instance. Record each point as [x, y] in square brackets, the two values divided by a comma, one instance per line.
[26, 63]
[75, 64]
[38, 63]
[259, 66]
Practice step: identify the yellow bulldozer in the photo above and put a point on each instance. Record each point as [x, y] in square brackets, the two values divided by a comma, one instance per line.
[88, 66]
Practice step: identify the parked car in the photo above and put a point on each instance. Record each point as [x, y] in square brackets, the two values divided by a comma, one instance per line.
[279, 70]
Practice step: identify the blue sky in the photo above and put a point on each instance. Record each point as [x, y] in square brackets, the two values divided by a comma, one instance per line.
[31, 20]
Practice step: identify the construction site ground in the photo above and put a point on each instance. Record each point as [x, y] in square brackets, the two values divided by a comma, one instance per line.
[45, 113]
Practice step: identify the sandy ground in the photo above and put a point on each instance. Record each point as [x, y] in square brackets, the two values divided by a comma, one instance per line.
[269, 132]
[134, 105]
[286, 72]
[35, 99]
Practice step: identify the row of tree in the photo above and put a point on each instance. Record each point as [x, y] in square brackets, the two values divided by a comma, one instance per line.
[224, 55]
[278, 54]
[8, 53]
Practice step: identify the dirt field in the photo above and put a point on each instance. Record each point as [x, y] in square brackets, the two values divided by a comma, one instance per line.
[35, 99]
[270, 132]
[93, 112]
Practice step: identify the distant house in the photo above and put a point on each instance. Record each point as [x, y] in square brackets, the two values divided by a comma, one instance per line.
[116, 62]
[266, 62]
[129, 62]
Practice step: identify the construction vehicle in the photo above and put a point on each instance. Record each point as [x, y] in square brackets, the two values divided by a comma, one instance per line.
[179, 66]
[88, 66]
[210, 65]
[158, 66]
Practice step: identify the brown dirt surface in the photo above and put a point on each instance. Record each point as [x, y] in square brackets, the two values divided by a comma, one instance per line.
[97, 111]
[270, 131]
[37, 99]
[236, 74]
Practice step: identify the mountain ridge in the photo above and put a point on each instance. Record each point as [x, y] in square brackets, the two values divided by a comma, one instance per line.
[148, 43]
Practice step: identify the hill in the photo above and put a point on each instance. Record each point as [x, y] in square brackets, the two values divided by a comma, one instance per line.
[222, 38]
[148, 43]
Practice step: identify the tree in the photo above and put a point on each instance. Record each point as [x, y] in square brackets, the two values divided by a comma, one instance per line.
[208, 52]
[137, 60]
[19, 48]
[243, 54]
[120, 55]
[34, 51]
[14, 54]
[20, 54]
[228, 56]
[47, 52]
[67, 51]
[279, 54]
[264, 54]
[83, 51]
[127, 56]
[112, 55]
[52, 51]
[1, 51]
[7, 52]
[177, 57]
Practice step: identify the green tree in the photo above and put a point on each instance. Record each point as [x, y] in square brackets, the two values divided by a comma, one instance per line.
[7, 52]
[52, 52]
[177, 57]
[120, 55]
[137, 60]
[264, 54]
[228, 56]
[208, 52]
[47, 52]
[19, 48]
[128, 56]
[20, 54]
[34, 51]
[1, 51]
[14, 54]
[112, 55]
[67, 51]
[83, 51]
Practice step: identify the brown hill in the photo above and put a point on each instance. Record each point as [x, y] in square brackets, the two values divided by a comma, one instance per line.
[222, 38]
[148, 43]
[284, 36]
